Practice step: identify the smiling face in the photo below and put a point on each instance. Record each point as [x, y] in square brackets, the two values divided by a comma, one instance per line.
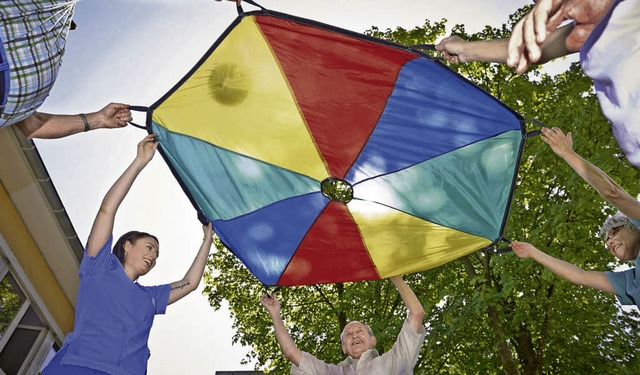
[622, 243]
[356, 339]
[140, 256]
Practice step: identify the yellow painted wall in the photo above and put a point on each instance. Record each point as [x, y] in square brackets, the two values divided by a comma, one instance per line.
[35, 267]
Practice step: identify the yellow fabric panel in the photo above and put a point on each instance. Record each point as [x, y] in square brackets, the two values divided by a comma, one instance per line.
[399, 244]
[239, 100]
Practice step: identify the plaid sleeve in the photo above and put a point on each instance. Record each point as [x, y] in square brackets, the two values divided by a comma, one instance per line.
[33, 34]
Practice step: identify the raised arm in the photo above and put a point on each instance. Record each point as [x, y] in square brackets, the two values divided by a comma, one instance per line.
[45, 125]
[562, 145]
[566, 270]
[457, 50]
[103, 223]
[413, 305]
[287, 346]
[191, 279]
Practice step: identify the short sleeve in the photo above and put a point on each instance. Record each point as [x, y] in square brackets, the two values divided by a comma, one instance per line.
[407, 346]
[624, 284]
[101, 262]
[160, 295]
[310, 365]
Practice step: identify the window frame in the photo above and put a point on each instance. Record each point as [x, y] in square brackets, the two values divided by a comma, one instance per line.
[49, 335]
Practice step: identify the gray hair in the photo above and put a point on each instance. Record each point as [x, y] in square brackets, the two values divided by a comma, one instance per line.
[618, 220]
[369, 331]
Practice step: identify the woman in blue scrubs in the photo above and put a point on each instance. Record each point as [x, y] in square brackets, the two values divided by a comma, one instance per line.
[114, 313]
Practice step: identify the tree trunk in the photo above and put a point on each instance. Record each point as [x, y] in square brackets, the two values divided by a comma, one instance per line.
[509, 364]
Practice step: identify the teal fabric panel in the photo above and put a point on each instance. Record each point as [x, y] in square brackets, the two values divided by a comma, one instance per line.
[431, 111]
[225, 184]
[467, 189]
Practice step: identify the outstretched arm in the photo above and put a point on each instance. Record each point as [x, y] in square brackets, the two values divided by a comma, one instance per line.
[416, 311]
[566, 270]
[45, 125]
[191, 279]
[457, 50]
[103, 223]
[562, 145]
[288, 347]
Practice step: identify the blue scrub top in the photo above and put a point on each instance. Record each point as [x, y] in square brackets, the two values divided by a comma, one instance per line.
[113, 317]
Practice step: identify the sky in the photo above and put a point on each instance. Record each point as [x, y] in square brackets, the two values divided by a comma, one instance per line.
[134, 51]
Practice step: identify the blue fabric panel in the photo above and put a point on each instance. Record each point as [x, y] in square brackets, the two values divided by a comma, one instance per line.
[467, 189]
[265, 240]
[430, 112]
[226, 184]
[4, 77]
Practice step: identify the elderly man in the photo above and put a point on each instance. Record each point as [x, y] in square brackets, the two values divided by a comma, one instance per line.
[607, 34]
[358, 343]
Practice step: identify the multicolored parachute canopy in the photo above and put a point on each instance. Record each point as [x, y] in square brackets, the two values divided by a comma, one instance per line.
[321, 155]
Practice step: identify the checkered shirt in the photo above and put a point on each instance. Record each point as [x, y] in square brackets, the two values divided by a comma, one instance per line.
[33, 34]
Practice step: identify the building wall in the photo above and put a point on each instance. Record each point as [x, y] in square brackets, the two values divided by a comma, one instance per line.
[39, 260]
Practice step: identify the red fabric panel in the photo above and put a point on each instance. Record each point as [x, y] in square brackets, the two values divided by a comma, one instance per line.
[332, 251]
[341, 84]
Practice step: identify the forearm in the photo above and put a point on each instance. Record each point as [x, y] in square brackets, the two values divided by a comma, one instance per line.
[287, 346]
[192, 278]
[573, 273]
[49, 126]
[497, 50]
[121, 187]
[411, 301]
[195, 272]
[486, 51]
[604, 185]
[103, 223]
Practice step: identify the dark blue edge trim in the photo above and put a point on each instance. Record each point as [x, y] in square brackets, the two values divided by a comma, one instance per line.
[360, 36]
[513, 186]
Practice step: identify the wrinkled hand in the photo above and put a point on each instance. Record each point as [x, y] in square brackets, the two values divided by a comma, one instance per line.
[529, 33]
[208, 231]
[147, 148]
[271, 303]
[532, 30]
[523, 249]
[452, 49]
[587, 14]
[560, 143]
[113, 115]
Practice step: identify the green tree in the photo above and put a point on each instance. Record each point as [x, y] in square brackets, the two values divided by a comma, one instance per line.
[11, 299]
[485, 313]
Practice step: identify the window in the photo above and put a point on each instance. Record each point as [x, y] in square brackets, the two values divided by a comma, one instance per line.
[25, 340]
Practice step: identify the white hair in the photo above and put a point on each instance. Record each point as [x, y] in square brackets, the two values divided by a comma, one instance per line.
[369, 331]
[618, 220]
